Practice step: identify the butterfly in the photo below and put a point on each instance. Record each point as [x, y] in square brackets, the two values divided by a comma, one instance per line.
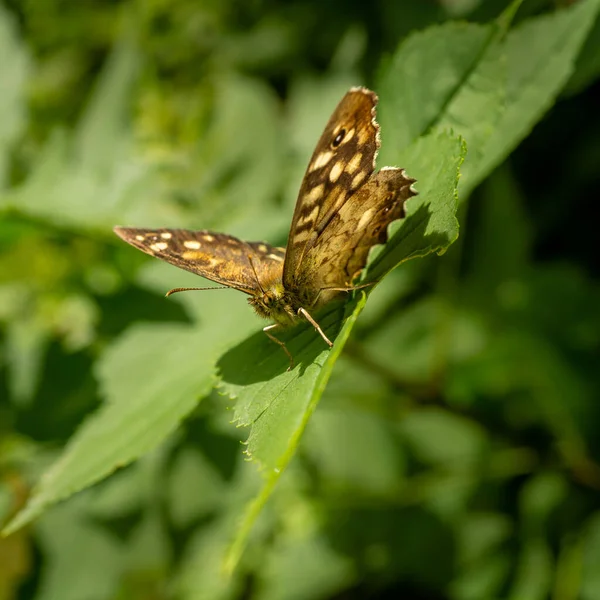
[343, 209]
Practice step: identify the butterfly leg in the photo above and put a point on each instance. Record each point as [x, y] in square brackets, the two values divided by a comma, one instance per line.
[277, 341]
[349, 288]
[304, 313]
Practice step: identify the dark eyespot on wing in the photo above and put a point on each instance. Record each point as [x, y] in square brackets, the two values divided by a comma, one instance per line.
[339, 138]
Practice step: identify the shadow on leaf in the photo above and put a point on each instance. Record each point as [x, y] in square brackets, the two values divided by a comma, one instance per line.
[259, 359]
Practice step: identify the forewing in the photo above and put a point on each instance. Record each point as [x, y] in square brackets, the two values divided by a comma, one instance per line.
[216, 256]
[340, 253]
[343, 160]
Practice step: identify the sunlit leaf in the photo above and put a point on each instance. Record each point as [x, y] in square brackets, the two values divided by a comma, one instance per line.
[541, 56]
[277, 403]
[152, 377]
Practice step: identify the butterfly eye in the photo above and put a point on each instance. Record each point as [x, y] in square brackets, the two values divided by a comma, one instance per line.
[339, 138]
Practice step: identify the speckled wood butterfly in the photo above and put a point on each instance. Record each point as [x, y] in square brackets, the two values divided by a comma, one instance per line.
[343, 209]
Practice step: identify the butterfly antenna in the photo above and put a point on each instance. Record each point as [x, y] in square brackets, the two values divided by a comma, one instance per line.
[193, 289]
[260, 287]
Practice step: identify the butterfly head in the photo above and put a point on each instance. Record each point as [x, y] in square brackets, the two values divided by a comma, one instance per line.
[274, 303]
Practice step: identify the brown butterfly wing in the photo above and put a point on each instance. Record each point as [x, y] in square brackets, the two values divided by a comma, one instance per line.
[340, 252]
[216, 256]
[342, 162]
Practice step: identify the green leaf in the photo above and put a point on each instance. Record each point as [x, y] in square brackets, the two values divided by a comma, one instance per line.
[430, 224]
[489, 87]
[588, 63]
[276, 404]
[423, 78]
[278, 408]
[541, 54]
[449, 77]
[152, 377]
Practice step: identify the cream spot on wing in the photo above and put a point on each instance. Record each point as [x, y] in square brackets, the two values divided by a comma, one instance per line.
[321, 160]
[192, 255]
[208, 237]
[139, 238]
[314, 194]
[358, 179]
[349, 135]
[262, 248]
[232, 241]
[191, 244]
[213, 262]
[165, 235]
[366, 217]
[337, 199]
[310, 217]
[363, 136]
[159, 246]
[300, 236]
[335, 172]
[276, 257]
[354, 163]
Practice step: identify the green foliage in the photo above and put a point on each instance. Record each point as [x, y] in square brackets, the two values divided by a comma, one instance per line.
[445, 444]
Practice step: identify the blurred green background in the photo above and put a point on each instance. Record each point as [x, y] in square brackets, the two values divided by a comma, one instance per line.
[455, 452]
